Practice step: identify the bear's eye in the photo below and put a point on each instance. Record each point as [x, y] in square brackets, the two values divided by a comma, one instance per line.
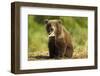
[49, 24]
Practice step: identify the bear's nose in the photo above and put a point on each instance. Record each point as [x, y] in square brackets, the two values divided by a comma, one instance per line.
[51, 29]
[50, 33]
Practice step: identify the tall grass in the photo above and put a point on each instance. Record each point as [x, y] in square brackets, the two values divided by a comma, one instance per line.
[38, 38]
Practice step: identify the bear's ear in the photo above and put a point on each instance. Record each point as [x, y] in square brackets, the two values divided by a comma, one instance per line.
[59, 21]
[46, 21]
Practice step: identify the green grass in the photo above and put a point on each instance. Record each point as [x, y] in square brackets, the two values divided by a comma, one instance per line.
[38, 38]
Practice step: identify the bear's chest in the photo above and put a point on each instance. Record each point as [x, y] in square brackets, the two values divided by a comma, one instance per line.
[52, 40]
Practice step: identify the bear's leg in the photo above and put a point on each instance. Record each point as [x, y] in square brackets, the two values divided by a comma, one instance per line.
[69, 52]
[51, 50]
[51, 46]
[61, 52]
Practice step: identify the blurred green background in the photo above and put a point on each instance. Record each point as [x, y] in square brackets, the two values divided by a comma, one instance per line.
[38, 38]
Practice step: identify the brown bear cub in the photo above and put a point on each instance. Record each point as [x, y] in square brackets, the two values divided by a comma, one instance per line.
[59, 44]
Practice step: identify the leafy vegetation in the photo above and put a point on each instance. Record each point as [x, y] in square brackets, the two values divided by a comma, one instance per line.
[38, 38]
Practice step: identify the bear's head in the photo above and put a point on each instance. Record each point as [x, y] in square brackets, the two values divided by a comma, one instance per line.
[53, 27]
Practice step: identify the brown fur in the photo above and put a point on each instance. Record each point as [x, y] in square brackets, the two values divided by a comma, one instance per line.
[60, 44]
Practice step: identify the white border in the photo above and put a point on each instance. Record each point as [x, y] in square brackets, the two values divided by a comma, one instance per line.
[25, 64]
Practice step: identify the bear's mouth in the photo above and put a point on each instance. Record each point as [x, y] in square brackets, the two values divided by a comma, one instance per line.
[51, 34]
